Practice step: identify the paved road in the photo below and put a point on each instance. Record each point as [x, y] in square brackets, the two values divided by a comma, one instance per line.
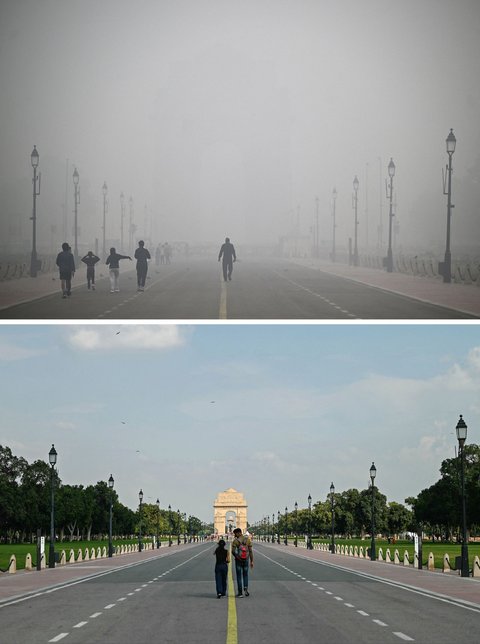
[273, 289]
[170, 597]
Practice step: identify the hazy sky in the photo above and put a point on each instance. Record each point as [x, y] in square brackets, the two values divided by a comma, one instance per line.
[275, 411]
[226, 117]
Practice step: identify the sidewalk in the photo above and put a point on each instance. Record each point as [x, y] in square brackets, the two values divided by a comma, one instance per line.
[460, 297]
[23, 583]
[449, 585]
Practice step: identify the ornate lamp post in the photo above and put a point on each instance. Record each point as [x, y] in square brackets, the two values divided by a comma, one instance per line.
[184, 517]
[334, 199]
[451, 142]
[355, 206]
[332, 501]
[285, 541]
[140, 544]
[295, 542]
[158, 522]
[462, 437]
[34, 158]
[110, 545]
[389, 191]
[104, 192]
[122, 217]
[169, 525]
[52, 459]
[76, 179]
[309, 535]
[178, 527]
[278, 527]
[130, 225]
[373, 474]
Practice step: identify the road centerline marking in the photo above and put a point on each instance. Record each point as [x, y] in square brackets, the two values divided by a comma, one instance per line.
[232, 630]
[222, 315]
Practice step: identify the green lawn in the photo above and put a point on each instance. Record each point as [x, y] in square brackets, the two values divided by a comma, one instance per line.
[21, 550]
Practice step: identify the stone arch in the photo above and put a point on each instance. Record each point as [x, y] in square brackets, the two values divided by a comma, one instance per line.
[228, 502]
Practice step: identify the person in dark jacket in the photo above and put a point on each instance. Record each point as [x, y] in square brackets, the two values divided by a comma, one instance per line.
[142, 255]
[90, 260]
[222, 559]
[113, 262]
[66, 266]
[227, 251]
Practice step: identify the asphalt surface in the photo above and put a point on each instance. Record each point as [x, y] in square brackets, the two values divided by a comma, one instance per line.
[170, 597]
[194, 289]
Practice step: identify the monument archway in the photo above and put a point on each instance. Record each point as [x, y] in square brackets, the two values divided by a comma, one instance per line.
[229, 511]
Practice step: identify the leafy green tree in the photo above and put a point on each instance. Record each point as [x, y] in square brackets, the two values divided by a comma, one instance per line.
[398, 518]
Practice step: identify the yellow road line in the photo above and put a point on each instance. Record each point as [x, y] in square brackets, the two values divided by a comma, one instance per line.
[223, 301]
[232, 633]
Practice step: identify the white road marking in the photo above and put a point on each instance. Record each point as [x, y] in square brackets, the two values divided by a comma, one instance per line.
[80, 624]
[222, 315]
[349, 605]
[362, 612]
[130, 594]
[58, 637]
[122, 599]
[108, 606]
[339, 599]
[402, 636]
[137, 590]
[327, 592]
[377, 621]
[95, 615]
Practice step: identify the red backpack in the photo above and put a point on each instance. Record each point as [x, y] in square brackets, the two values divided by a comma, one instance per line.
[242, 551]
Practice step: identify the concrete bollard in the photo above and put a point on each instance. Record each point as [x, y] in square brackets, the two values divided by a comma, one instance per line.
[43, 561]
[63, 558]
[350, 551]
[380, 554]
[355, 551]
[446, 563]
[79, 556]
[406, 558]
[104, 552]
[92, 553]
[71, 558]
[87, 555]
[28, 562]
[396, 557]
[431, 561]
[362, 553]
[12, 565]
[415, 560]
[388, 556]
[476, 567]
[99, 553]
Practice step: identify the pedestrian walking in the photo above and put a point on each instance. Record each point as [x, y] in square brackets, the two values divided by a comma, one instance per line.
[142, 255]
[243, 552]
[113, 262]
[66, 266]
[222, 559]
[227, 251]
[90, 260]
[167, 252]
[158, 254]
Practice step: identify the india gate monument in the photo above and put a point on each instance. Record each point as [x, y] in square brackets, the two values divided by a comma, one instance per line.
[230, 512]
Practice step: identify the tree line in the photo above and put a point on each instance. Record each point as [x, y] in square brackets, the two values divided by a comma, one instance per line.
[81, 513]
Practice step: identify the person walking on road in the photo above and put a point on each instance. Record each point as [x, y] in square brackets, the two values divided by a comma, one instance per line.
[113, 263]
[222, 559]
[228, 252]
[243, 552]
[142, 255]
[90, 260]
[66, 266]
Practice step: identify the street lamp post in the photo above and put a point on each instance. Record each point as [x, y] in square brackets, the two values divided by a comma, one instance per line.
[462, 437]
[169, 524]
[451, 142]
[355, 206]
[317, 235]
[130, 225]
[285, 541]
[52, 459]
[34, 158]
[332, 501]
[104, 192]
[178, 527]
[184, 517]
[295, 541]
[278, 527]
[122, 217]
[76, 179]
[309, 536]
[389, 192]
[373, 474]
[140, 544]
[273, 527]
[334, 200]
[110, 545]
[158, 522]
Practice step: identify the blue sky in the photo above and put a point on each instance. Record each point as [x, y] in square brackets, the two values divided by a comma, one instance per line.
[275, 411]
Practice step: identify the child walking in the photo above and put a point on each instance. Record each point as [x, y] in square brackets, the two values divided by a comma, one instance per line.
[222, 559]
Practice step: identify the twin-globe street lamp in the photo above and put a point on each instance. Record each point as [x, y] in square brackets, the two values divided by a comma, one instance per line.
[110, 545]
[332, 501]
[373, 474]
[140, 545]
[462, 437]
[34, 263]
[52, 459]
[355, 206]
[446, 271]
[391, 174]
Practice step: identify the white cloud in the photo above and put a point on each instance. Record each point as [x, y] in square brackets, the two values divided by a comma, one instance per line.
[107, 338]
[11, 352]
[61, 424]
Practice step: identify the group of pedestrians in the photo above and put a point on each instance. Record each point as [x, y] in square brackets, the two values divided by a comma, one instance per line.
[242, 552]
[66, 265]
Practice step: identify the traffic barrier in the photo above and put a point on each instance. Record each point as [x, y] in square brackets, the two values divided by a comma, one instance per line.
[476, 567]
[446, 563]
[12, 566]
[87, 555]
[63, 558]
[431, 561]
[380, 554]
[71, 558]
[388, 556]
[79, 557]
[396, 557]
[406, 558]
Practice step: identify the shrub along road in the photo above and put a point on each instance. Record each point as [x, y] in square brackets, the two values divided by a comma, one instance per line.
[296, 596]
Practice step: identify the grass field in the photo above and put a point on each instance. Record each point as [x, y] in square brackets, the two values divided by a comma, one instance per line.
[21, 550]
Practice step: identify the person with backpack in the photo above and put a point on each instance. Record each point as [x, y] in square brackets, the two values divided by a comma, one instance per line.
[243, 552]
[222, 559]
